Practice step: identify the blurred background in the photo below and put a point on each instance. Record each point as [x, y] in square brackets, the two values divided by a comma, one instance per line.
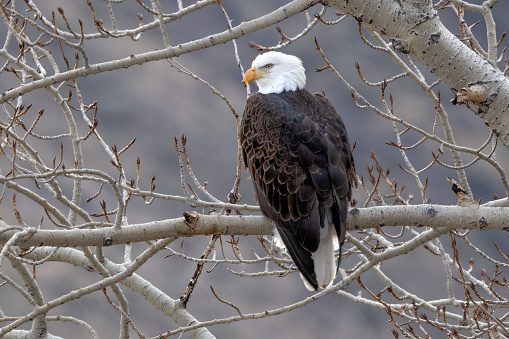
[155, 103]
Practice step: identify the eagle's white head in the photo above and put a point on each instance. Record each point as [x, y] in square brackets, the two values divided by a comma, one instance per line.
[275, 72]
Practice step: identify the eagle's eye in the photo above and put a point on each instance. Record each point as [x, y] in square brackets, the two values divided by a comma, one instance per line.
[268, 66]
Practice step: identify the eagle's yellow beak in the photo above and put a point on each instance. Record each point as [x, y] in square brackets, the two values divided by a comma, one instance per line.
[252, 74]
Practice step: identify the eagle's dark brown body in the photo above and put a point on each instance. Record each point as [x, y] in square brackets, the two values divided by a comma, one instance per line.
[297, 151]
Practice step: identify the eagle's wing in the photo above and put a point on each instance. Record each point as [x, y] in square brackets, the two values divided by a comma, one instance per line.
[297, 151]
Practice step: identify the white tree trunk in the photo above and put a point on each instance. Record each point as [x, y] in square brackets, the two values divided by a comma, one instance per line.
[415, 28]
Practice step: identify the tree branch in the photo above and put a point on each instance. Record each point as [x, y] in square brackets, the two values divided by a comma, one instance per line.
[282, 13]
[435, 216]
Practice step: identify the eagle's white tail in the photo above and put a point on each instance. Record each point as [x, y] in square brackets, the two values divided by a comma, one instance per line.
[323, 258]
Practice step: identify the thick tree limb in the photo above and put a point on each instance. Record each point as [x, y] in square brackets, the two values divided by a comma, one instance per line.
[414, 28]
[435, 216]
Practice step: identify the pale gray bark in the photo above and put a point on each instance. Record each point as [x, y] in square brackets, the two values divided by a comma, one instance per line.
[415, 28]
[19, 334]
[435, 216]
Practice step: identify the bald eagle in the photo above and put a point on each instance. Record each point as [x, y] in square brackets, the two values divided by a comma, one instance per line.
[296, 149]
